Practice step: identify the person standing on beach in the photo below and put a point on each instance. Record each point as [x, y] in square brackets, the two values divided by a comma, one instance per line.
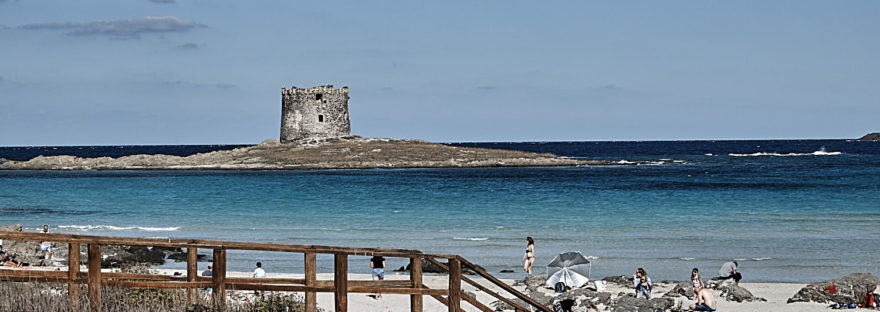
[377, 263]
[642, 284]
[210, 271]
[46, 246]
[697, 282]
[729, 270]
[529, 256]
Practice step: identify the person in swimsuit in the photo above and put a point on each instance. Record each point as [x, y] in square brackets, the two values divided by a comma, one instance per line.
[697, 283]
[529, 256]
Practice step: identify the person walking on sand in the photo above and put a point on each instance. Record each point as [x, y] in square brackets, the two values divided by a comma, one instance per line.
[377, 263]
[529, 256]
[730, 270]
[696, 281]
[642, 284]
[46, 246]
[707, 297]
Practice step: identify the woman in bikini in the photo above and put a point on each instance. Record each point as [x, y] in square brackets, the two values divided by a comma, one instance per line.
[697, 283]
[529, 256]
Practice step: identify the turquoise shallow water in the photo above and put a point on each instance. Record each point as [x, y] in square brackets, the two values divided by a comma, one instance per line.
[787, 215]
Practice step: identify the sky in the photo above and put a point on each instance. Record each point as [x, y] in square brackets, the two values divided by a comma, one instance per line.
[210, 72]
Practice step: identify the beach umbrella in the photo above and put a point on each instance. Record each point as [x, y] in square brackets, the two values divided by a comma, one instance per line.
[571, 268]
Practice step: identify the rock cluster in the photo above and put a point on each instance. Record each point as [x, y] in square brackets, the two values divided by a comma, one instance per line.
[847, 289]
[114, 256]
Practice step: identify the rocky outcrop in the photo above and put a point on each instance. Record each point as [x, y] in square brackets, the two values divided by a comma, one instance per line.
[629, 303]
[846, 289]
[430, 267]
[337, 153]
[871, 137]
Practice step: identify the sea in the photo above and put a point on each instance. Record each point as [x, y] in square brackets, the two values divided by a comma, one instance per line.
[785, 210]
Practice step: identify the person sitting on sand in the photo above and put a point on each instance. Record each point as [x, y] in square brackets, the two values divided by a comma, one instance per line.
[208, 272]
[529, 256]
[696, 281]
[642, 284]
[682, 302]
[729, 270]
[707, 297]
[6, 260]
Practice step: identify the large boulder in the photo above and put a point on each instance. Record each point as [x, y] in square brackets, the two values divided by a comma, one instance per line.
[846, 289]
[430, 267]
[115, 256]
[630, 303]
[739, 294]
[30, 253]
[535, 281]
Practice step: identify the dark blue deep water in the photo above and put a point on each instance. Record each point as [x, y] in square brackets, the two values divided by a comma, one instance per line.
[803, 210]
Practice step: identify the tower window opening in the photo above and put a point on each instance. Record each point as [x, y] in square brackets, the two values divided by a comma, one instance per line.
[319, 96]
[320, 118]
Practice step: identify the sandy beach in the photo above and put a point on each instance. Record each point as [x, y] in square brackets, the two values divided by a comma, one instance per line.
[776, 294]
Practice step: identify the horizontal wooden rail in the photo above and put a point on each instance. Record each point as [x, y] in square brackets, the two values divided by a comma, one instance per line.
[451, 296]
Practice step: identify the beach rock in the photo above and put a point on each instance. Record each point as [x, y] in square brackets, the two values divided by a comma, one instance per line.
[430, 267]
[542, 298]
[738, 293]
[30, 253]
[619, 280]
[846, 289]
[534, 282]
[630, 303]
[181, 257]
[115, 256]
[871, 137]
[504, 306]
[505, 271]
[673, 293]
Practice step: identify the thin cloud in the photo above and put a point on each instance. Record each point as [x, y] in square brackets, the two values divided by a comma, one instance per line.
[190, 46]
[158, 1]
[127, 29]
[487, 88]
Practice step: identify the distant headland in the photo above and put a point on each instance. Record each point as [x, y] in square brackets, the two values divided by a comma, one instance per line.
[315, 134]
[871, 137]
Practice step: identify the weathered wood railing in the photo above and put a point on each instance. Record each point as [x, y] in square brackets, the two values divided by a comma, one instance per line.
[219, 282]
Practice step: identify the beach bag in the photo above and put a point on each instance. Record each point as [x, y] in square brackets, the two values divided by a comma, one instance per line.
[559, 287]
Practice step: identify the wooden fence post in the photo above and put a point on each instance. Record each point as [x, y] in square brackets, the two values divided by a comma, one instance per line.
[72, 275]
[191, 273]
[311, 280]
[340, 281]
[415, 276]
[219, 278]
[454, 285]
[95, 277]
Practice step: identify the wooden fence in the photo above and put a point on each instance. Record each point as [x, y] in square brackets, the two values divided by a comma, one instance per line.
[452, 296]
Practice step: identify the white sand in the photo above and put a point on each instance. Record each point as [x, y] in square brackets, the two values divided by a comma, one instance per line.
[776, 294]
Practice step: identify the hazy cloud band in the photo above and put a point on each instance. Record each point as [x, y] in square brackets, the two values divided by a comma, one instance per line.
[131, 28]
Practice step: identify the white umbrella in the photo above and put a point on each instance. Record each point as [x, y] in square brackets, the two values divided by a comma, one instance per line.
[570, 268]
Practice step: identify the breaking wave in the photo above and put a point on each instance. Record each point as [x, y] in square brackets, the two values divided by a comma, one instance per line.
[118, 228]
[820, 152]
[478, 239]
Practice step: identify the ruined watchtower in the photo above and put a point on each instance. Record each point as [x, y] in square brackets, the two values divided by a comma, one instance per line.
[319, 112]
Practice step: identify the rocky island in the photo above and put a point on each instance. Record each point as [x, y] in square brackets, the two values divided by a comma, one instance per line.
[871, 137]
[315, 134]
[331, 153]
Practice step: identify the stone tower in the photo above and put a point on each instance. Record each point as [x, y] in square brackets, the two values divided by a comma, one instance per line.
[319, 112]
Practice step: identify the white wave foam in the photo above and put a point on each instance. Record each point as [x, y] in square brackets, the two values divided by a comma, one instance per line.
[686, 258]
[591, 257]
[119, 228]
[471, 238]
[762, 258]
[759, 154]
[625, 162]
[709, 154]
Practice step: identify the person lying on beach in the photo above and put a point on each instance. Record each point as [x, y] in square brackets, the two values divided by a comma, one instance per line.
[6, 260]
[707, 297]
[682, 302]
